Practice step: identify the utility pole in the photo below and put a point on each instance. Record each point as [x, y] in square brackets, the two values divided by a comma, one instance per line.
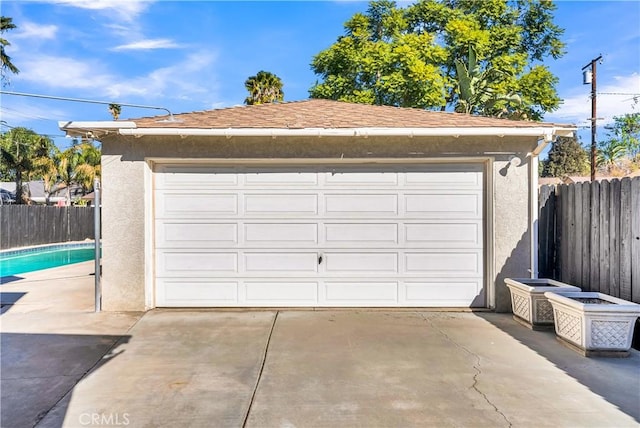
[589, 76]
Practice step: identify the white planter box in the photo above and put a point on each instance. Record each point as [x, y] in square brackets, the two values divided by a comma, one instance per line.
[596, 323]
[529, 303]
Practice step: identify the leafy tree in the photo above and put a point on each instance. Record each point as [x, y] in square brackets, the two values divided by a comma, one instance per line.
[115, 110]
[407, 56]
[6, 24]
[625, 130]
[379, 61]
[476, 94]
[21, 153]
[264, 87]
[619, 154]
[566, 157]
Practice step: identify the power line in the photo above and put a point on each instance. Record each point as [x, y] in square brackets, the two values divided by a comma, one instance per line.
[80, 100]
[619, 93]
[23, 114]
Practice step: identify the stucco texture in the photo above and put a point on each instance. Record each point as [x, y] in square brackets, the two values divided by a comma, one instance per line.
[125, 160]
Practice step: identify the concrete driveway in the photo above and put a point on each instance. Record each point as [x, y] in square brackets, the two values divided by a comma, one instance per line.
[63, 365]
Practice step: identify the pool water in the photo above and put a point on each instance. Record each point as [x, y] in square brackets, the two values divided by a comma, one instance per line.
[21, 262]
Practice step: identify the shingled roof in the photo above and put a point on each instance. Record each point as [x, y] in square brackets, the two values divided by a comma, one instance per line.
[327, 114]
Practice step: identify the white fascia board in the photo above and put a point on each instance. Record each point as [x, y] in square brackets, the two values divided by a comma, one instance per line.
[129, 128]
[73, 128]
[95, 125]
[541, 132]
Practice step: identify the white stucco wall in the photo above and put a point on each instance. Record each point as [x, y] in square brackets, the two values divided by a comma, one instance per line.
[125, 160]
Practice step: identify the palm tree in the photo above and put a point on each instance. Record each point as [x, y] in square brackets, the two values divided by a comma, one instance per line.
[89, 167]
[609, 153]
[68, 168]
[475, 91]
[6, 24]
[21, 152]
[264, 87]
[79, 164]
[115, 110]
[47, 169]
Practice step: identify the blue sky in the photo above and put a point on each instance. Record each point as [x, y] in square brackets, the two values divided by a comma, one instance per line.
[196, 55]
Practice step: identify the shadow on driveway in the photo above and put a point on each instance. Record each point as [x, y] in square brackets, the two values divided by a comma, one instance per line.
[8, 299]
[9, 278]
[38, 370]
[617, 380]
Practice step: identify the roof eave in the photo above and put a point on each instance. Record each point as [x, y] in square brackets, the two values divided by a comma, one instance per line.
[545, 133]
[95, 128]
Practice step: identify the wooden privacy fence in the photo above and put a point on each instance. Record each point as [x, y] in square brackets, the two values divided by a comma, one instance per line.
[24, 225]
[589, 235]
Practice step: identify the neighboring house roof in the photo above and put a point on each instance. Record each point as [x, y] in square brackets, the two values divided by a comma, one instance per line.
[320, 118]
[9, 186]
[546, 181]
[35, 190]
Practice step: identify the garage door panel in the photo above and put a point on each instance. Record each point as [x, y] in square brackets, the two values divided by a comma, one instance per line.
[437, 205]
[445, 180]
[200, 205]
[293, 233]
[353, 205]
[195, 263]
[444, 235]
[340, 262]
[195, 235]
[363, 179]
[281, 262]
[280, 293]
[197, 293]
[263, 204]
[442, 263]
[361, 233]
[286, 179]
[353, 293]
[192, 178]
[442, 293]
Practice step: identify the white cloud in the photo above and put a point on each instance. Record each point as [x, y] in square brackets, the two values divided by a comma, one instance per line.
[175, 81]
[127, 10]
[61, 72]
[577, 107]
[130, 31]
[29, 30]
[26, 112]
[148, 44]
[189, 76]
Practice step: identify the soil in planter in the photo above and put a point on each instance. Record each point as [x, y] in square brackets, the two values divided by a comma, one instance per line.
[592, 301]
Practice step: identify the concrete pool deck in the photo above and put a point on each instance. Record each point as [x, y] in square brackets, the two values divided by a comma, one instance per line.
[64, 365]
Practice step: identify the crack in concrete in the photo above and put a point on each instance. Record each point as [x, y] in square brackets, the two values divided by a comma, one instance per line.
[475, 366]
[262, 364]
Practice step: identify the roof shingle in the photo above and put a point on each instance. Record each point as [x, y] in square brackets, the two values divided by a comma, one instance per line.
[327, 114]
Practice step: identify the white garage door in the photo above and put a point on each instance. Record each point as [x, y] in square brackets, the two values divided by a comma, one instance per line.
[319, 236]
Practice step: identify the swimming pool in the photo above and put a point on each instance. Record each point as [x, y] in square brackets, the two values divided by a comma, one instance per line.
[14, 262]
